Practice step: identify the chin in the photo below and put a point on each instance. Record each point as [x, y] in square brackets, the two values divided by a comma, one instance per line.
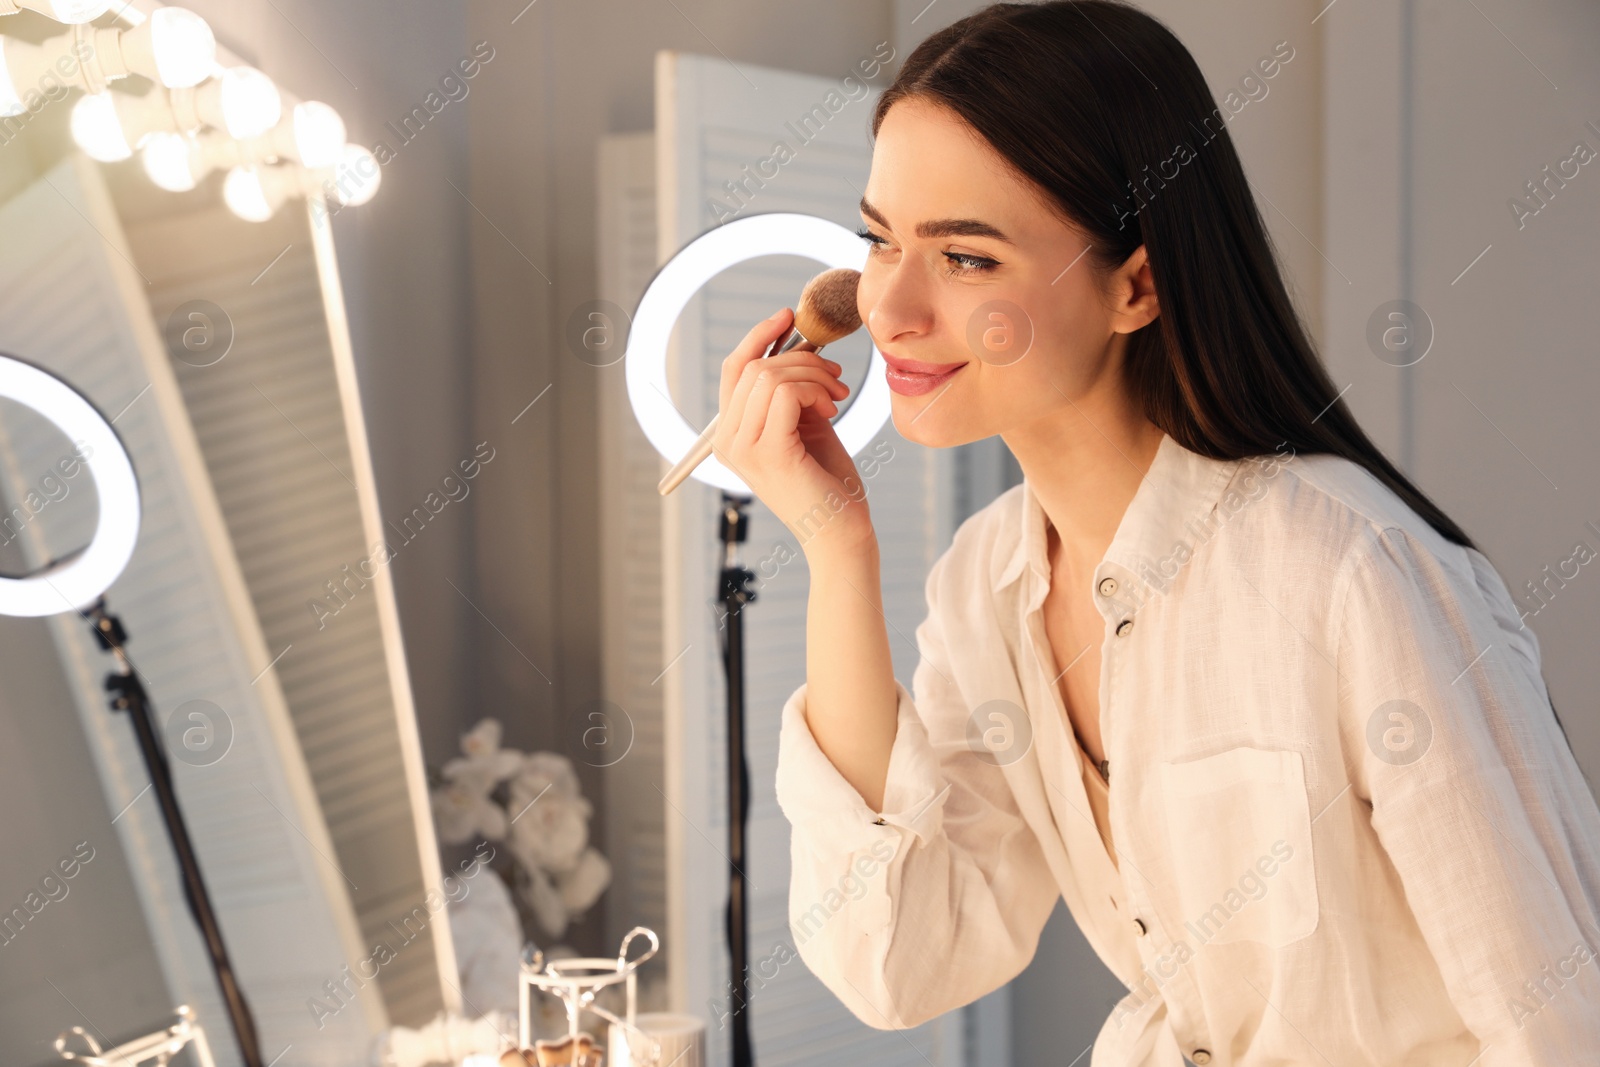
[925, 431]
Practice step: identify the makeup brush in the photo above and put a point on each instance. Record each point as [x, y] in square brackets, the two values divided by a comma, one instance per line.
[825, 313]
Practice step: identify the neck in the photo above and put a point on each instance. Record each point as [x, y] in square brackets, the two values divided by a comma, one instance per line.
[1084, 463]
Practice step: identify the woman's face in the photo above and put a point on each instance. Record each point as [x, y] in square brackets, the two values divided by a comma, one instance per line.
[971, 271]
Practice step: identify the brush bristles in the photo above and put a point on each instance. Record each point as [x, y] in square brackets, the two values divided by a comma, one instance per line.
[827, 308]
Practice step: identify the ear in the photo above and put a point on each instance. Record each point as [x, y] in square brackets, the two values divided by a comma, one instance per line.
[1132, 289]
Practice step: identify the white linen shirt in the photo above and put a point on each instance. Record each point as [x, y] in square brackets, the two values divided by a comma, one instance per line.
[1349, 828]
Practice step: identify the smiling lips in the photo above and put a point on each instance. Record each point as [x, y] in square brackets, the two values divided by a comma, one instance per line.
[910, 377]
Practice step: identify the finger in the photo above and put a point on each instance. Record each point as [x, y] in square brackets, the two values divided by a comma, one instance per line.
[822, 375]
[734, 396]
[773, 373]
[783, 414]
[791, 371]
[753, 346]
[739, 401]
[755, 420]
[775, 425]
[805, 419]
[805, 348]
[750, 399]
[801, 356]
[786, 366]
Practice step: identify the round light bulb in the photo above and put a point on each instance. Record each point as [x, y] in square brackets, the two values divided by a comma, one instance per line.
[246, 196]
[166, 161]
[183, 47]
[76, 11]
[318, 134]
[97, 129]
[250, 102]
[356, 179]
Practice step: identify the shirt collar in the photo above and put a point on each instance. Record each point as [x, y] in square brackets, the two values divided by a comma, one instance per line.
[1169, 516]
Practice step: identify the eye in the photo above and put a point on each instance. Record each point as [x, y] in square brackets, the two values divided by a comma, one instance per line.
[962, 262]
[970, 264]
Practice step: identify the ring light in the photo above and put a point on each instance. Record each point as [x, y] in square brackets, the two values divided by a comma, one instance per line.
[645, 362]
[81, 579]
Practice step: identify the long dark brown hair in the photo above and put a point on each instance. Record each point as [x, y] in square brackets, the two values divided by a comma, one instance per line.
[1064, 91]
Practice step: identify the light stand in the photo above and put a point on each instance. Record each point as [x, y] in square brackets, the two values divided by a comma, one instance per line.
[82, 578]
[778, 233]
[131, 697]
[734, 592]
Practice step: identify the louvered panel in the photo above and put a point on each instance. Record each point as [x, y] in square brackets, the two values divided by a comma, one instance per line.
[713, 125]
[271, 425]
[630, 523]
[72, 302]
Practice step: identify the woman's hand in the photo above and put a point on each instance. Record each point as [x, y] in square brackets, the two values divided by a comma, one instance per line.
[773, 432]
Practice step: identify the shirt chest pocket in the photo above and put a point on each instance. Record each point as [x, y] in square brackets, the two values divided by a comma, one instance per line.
[1239, 830]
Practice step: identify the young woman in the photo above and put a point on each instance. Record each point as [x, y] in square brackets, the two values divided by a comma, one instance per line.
[1216, 673]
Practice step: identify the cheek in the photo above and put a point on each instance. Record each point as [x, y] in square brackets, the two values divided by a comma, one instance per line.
[998, 332]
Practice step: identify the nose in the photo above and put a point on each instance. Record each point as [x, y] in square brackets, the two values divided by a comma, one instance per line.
[897, 303]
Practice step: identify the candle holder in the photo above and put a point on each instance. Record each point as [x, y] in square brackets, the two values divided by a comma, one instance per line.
[576, 982]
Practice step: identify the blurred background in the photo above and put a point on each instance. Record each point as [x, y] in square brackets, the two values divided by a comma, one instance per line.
[405, 594]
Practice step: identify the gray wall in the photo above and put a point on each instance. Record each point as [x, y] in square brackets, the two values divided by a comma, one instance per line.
[1504, 405]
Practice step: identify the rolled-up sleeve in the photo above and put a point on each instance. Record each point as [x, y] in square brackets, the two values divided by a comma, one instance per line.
[1476, 798]
[939, 898]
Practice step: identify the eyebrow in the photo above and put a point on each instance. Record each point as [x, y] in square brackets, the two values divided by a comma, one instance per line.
[940, 227]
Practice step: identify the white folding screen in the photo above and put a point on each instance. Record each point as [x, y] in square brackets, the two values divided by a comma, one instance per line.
[719, 124]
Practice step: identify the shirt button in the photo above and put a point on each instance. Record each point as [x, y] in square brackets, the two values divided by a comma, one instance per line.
[1123, 627]
[1200, 1056]
[1108, 586]
[1139, 927]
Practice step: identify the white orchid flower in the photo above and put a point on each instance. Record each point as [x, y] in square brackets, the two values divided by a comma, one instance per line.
[553, 831]
[482, 738]
[545, 822]
[461, 813]
[482, 773]
[547, 769]
[483, 763]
